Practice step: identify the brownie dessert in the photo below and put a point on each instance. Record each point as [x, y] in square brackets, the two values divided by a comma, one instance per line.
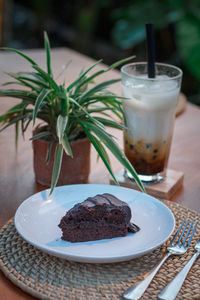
[100, 217]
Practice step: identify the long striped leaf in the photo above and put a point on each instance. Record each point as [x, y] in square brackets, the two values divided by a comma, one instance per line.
[100, 150]
[13, 122]
[48, 155]
[101, 109]
[110, 123]
[106, 96]
[64, 101]
[21, 54]
[88, 79]
[12, 111]
[115, 65]
[16, 134]
[41, 97]
[25, 95]
[40, 135]
[56, 166]
[112, 146]
[48, 56]
[23, 82]
[82, 75]
[120, 62]
[25, 126]
[97, 88]
[60, 127]
[86, 113]
[47, 78]
[66, 146]
[35, 81]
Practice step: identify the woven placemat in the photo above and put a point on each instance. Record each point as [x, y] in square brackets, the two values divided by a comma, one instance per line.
[48, 277]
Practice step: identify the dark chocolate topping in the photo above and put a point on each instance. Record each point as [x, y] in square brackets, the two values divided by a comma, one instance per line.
[105, 198]
[133, 227]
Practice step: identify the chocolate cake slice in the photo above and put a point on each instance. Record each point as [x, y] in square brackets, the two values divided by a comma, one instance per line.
[100, 217]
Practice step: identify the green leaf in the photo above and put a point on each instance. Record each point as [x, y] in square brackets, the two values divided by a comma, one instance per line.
[64, 99]
[61, 125]
[110, 123]
[86, 113]
[47, 47]
[112, 146]
[100, 150]
[88, 79]
[10, 82]
[41, 97]
[40, 83]
[13, 122]
[56, 167]
[25, 95]
[101, 109]
[82, 75]
[120, 62]
[47, 78]
[48, 155]
[26, 126]
[115, 65]
[106, 97]
[66, 146]
[97, 88]
[16, 134]
[21, 54]
[13, 111]
[40, 135]
[22, 81]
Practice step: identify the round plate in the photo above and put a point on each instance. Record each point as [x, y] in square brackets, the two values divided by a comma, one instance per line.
[37, 219]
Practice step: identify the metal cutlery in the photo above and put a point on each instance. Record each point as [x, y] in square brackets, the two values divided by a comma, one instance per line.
[172, 289]
[178, 246]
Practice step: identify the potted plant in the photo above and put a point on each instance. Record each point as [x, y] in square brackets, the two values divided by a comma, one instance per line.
[71, 118]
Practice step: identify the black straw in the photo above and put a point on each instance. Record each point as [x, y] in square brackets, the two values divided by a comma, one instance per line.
[150, 50]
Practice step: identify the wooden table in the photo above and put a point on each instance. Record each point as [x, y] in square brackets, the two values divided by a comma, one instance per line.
[16, 171]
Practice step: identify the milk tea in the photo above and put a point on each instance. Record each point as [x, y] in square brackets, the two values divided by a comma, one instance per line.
[149, 116]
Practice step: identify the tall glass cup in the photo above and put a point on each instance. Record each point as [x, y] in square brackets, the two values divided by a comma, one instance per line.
[149, 113]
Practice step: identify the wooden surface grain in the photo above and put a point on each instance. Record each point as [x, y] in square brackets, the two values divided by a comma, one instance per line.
[16, 170]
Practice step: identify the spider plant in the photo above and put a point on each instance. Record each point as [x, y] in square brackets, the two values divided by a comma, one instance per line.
[66, 112]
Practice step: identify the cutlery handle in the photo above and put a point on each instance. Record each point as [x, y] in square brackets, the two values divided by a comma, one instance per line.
[171, 290]
[137, 290]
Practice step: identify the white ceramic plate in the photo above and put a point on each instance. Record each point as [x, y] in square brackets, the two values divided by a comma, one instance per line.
[37, 220]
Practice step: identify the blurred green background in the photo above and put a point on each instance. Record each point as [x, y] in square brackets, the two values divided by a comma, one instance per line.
[110, 29]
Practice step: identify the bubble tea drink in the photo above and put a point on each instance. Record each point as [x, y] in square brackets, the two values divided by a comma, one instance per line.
[149, 113]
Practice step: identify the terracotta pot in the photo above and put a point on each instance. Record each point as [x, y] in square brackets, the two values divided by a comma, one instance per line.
[73, 170]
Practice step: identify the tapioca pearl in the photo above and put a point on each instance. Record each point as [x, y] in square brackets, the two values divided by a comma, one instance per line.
[154, 157]
[143, 160]
[155, 150]
[148, 145]
[131, 146]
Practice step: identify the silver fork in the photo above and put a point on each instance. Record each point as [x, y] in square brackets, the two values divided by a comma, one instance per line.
[172, 289]
[175, 248]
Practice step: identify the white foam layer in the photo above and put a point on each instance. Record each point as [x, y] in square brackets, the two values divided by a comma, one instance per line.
[150, 107]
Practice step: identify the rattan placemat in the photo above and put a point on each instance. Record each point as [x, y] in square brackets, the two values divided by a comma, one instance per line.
[48, 277]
